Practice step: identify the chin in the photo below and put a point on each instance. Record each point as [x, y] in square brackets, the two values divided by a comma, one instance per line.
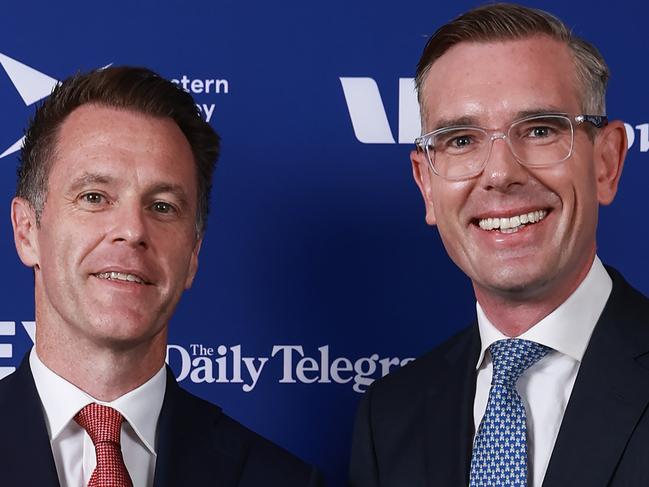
[126, 328]
[516, 282]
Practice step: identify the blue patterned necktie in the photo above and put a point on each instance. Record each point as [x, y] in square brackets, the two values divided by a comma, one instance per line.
[500, 447]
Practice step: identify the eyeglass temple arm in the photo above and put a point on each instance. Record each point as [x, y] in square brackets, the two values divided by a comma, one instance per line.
[598, 121]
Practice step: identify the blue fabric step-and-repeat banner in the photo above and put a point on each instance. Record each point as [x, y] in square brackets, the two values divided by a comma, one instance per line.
[318, 273]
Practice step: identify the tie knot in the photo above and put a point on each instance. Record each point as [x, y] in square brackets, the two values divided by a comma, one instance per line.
[512, 357]
[102, 423]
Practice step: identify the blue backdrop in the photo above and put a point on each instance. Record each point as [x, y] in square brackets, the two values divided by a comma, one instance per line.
[317, 257]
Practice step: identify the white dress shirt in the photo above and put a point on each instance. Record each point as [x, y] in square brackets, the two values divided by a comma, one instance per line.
[546, 386]
[73, 450]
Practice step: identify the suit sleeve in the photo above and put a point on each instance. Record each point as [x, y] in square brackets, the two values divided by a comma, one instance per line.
[316, 480]
[363, 468]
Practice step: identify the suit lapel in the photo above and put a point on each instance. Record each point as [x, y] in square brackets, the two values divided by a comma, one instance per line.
[610, 394]
[449, 416]
[190, 450]
[25, 447]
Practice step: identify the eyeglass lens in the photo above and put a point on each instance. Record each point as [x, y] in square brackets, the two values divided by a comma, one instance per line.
[538, 141]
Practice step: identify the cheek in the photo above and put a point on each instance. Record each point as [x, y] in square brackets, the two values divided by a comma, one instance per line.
[453, 232]
[63, 250]
[449, 200]
[52, 247]
[586, 205]
[576, 188]
[180, 257]
[57, 267]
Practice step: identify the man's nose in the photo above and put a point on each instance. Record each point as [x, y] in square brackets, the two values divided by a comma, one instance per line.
[502, 170]
[129, 225]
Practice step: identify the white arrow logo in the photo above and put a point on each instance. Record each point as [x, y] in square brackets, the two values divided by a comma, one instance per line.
[32, 86]
[368, 115]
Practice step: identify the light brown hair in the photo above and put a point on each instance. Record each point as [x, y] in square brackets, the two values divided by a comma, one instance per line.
[506, 21]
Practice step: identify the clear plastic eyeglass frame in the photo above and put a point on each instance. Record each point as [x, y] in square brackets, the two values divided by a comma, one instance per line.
[423, 143]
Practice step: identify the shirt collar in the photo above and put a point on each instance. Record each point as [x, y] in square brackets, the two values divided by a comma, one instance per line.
[569, 327]
[62, 400]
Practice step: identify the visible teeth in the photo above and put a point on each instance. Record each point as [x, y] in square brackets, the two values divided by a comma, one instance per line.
[119, 276]
[513, 224]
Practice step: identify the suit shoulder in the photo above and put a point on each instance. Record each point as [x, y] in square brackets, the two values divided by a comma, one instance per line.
[18, 384]
[626, 311]
[629, 297]
[6, 385]
[264, 459]
[425, 369]
[261, 461]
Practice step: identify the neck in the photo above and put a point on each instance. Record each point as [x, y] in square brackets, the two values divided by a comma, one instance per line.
[513, 313]
[105, 373]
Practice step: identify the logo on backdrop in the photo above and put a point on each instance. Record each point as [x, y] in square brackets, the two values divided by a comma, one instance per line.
[371, 125]
[203, 364]
[33, 86]
[206, 364]
[8, 329]
[366, 110]
[200, 89]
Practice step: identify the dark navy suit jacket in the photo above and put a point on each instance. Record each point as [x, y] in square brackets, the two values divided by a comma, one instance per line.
[414, 428]
[198, 445]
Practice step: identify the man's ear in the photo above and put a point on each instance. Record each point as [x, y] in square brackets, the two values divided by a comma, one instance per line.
[193, 263]
[421, 173]
[23, 220]
[610, 151]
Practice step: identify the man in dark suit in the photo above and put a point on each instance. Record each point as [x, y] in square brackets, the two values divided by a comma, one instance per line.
[110, 214]
[551, 385]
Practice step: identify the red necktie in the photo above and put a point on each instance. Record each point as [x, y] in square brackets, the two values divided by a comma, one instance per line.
[103, 424]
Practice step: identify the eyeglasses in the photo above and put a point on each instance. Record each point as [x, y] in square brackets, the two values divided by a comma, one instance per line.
[462, 151]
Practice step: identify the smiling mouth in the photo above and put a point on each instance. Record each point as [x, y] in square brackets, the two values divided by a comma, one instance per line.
[120, 276]
[512, 224]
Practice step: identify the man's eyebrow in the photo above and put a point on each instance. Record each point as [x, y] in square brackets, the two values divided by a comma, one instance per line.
[175, 189]
[473, 121]
[88, 179]
[453, 122]
[538, 111]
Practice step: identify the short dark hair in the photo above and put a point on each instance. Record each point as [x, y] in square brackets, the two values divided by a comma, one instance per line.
[507, 21]
[124, 87]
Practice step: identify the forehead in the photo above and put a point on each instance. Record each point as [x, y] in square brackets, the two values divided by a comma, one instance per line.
[130, 145]
[490, 82]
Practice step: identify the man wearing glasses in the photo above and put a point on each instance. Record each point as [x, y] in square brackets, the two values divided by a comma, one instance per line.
[551, 385]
